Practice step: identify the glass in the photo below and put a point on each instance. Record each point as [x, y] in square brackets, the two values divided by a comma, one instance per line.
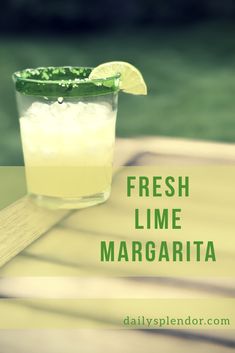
[67, 124]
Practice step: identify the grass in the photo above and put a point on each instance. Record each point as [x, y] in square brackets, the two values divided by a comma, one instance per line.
[189, 72]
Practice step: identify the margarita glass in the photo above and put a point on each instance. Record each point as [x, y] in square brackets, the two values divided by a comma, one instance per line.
[67, 124]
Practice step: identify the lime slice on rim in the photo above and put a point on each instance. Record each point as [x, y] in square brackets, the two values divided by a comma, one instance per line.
[131, 80]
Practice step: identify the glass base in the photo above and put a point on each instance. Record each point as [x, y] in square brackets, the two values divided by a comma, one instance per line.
[69, 203]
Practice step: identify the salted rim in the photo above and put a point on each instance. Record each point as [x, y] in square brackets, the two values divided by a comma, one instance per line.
[75, 83]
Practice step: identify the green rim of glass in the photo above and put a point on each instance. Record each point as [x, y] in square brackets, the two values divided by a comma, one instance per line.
[63, 81]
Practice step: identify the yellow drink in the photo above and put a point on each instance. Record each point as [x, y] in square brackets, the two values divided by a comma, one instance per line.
[68, 151]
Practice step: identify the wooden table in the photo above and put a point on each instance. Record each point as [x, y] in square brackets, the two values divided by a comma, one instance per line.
[22, 224]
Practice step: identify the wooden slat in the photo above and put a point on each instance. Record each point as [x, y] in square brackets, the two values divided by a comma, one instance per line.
[165, 146]
[94, 341]
[21, 223]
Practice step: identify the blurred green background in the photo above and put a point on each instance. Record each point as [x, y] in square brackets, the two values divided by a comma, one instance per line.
[185, 50]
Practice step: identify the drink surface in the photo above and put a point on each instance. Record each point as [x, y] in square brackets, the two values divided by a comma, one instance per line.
[68, 147]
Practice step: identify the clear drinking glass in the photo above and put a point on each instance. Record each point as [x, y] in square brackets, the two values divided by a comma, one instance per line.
[67, 124]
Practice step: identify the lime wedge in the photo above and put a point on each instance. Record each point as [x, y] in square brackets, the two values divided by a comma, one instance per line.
[131, 80]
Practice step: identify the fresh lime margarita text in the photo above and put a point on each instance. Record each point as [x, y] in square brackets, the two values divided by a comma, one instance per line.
[157, 219]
